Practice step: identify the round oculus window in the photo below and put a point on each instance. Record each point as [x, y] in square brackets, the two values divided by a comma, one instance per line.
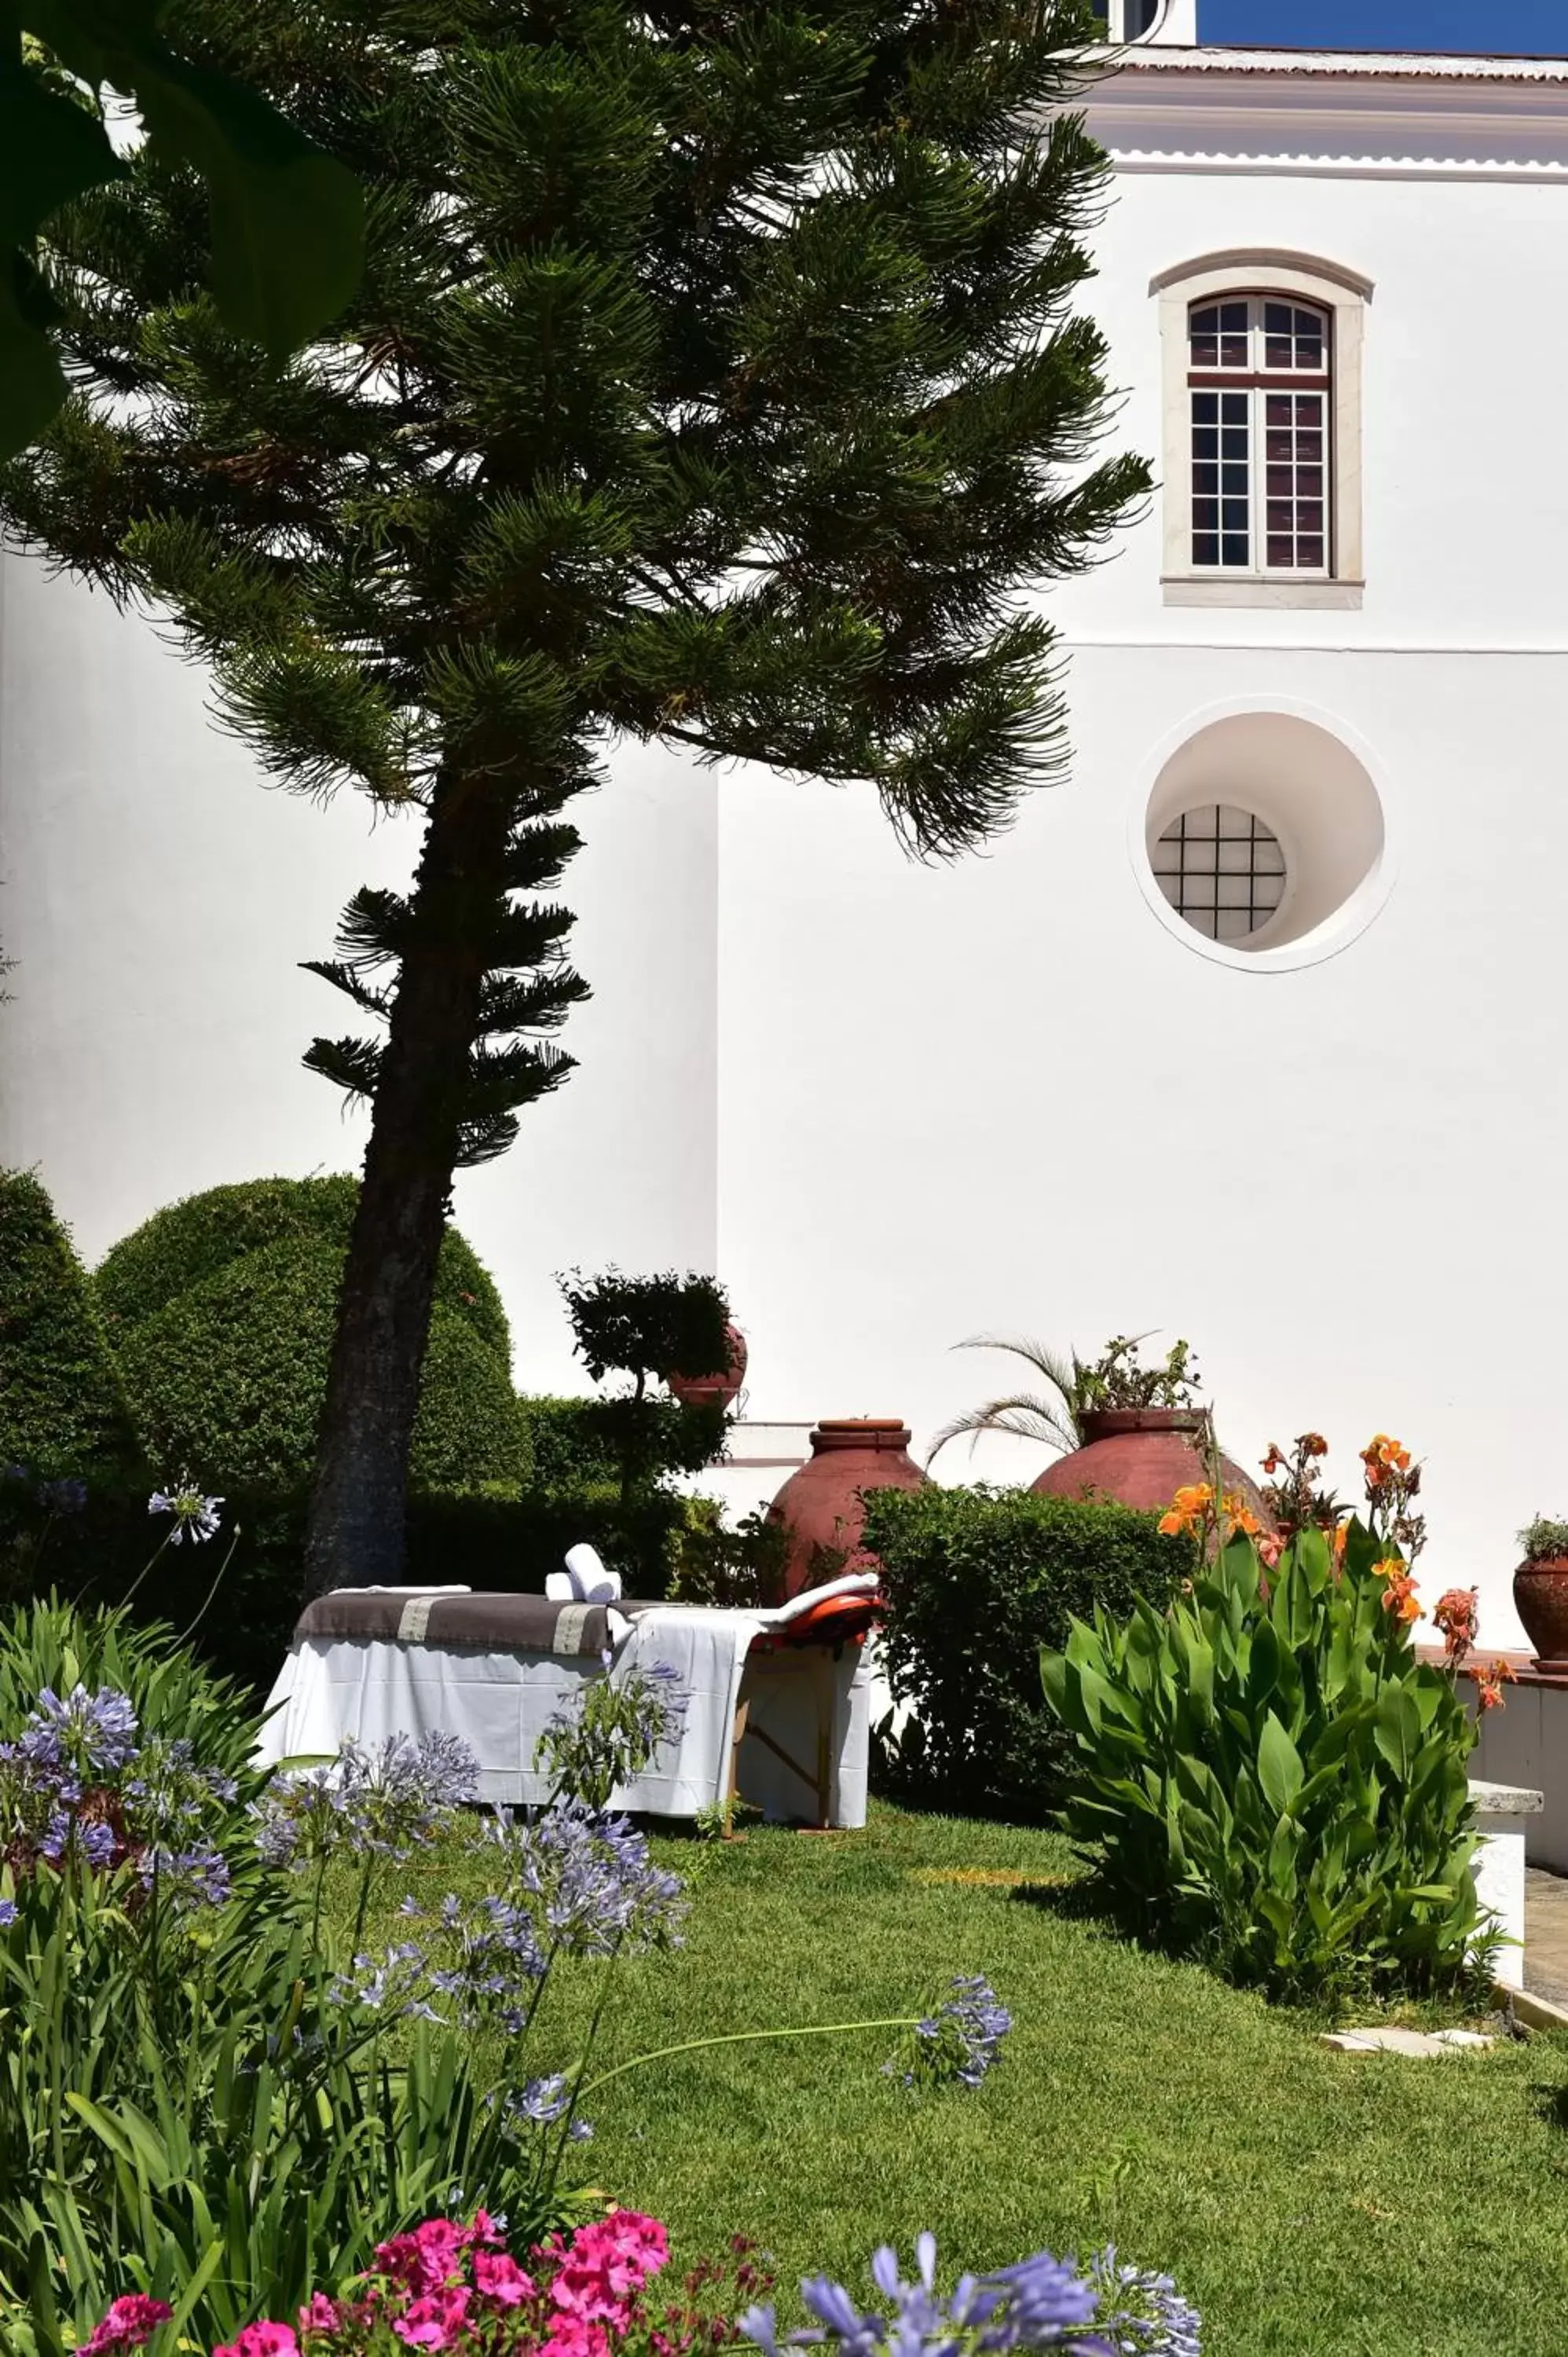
[1221, 868]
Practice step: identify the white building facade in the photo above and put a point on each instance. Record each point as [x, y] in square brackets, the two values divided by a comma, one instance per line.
[1254, 1031]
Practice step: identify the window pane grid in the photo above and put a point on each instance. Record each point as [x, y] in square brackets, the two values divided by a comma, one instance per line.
[1260, 492]
[1222, 869]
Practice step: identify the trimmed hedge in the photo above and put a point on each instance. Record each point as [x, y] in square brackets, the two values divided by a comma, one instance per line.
[977, 1581]
[63, 1410]
[191, 1241]
[227, 1379]
[568, 1444]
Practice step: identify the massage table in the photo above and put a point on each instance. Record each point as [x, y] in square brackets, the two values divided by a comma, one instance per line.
[777, 1701]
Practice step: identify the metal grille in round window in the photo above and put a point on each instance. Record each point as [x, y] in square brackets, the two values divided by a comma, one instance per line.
[1222, 869]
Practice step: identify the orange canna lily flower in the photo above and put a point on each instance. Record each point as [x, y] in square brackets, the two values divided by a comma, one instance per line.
[1490, 1681]
[1399, 1596]
[1189, 1506]
[1341, 1532]
[1273, 1461]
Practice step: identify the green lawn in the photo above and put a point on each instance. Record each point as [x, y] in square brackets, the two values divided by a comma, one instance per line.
[1312, 2204]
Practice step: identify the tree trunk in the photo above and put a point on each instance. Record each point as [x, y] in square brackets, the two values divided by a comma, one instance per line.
[356, 1535]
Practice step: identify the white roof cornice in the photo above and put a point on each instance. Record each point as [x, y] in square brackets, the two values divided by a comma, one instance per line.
[1354, 65]
[1333, 112]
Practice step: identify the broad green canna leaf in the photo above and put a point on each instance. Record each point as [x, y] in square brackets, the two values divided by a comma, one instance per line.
[1280, 1770]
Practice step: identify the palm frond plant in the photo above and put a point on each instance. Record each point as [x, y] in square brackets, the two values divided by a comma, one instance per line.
[1052, 1416]
[1075, 1388]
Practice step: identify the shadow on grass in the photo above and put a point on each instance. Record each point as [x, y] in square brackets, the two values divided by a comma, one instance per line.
[1549, 2098]
[1078, 1899]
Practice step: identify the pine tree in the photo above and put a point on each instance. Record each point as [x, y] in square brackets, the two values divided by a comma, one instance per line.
[713, 378]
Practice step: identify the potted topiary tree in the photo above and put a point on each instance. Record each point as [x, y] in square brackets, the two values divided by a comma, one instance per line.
[1540, 1591]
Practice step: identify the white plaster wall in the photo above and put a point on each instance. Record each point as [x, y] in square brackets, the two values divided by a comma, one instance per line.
[1006, 1095]
[156, 901]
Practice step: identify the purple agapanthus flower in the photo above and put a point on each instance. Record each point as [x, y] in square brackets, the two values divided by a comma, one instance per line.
[384, 1798]
[1138, 2301]
[491, 1962]
[7, 1913]
[93, 1841]
[94, 1734]
[196, 1517]
[542, 2100]
[394, 1986]
[957, 2043]
[1042, 2303]
[196, 1876]
[589, 1881]
[170, 1795]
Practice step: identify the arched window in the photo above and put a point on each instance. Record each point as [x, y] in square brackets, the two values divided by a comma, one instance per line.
[1262, 430]
[1259, 377]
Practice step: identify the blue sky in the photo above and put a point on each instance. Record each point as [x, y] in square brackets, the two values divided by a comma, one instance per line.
[1501, 27]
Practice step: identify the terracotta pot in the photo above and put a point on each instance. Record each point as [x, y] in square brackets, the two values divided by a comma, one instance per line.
[1540, 1599]
[1141, 1457]
[713, 1391]
[820, 1503]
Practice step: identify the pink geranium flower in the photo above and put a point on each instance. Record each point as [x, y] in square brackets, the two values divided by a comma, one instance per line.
[262, 2341]
[569, 2336]
[500, 2280]
[434, 2321]
[131, 2321]
[426, 2259]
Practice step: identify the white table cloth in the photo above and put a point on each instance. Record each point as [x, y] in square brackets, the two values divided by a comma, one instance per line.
[805, 1735]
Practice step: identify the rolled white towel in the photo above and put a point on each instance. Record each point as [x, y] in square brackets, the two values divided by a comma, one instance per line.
[595, 1583]
[585, 1580]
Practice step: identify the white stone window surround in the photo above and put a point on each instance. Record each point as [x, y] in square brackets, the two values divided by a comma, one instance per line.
[1344, 294]
[1321, 790]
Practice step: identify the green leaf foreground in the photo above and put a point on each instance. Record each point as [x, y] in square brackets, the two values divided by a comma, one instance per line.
[286, 219]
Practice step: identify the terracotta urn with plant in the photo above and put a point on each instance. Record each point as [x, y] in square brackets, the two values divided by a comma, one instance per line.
[1540, 1591]
[1129, 1432]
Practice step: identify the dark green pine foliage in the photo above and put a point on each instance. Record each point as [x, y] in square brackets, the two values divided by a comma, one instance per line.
[713, 377]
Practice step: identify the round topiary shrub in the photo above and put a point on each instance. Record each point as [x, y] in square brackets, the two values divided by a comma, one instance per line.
[227, 1379]
[191, 1241]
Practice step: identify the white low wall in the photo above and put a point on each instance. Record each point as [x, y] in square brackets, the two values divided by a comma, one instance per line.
[1526, 1743]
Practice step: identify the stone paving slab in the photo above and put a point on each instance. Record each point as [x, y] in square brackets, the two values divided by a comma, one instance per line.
[1405, 2041]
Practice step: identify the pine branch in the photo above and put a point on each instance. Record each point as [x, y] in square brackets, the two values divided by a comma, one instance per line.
[352, 1065]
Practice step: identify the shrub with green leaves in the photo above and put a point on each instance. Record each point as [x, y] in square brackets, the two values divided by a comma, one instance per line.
[977, 1581]
[62, 1408]
[191, 1241]
[1267, 1775]
[221, 1312]
[568, 1446]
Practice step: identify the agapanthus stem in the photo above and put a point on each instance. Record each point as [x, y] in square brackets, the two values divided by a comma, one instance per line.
[743, 2038]
[564, 2139]
[363, 1906]
[148, 1564]
[185, 1635]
